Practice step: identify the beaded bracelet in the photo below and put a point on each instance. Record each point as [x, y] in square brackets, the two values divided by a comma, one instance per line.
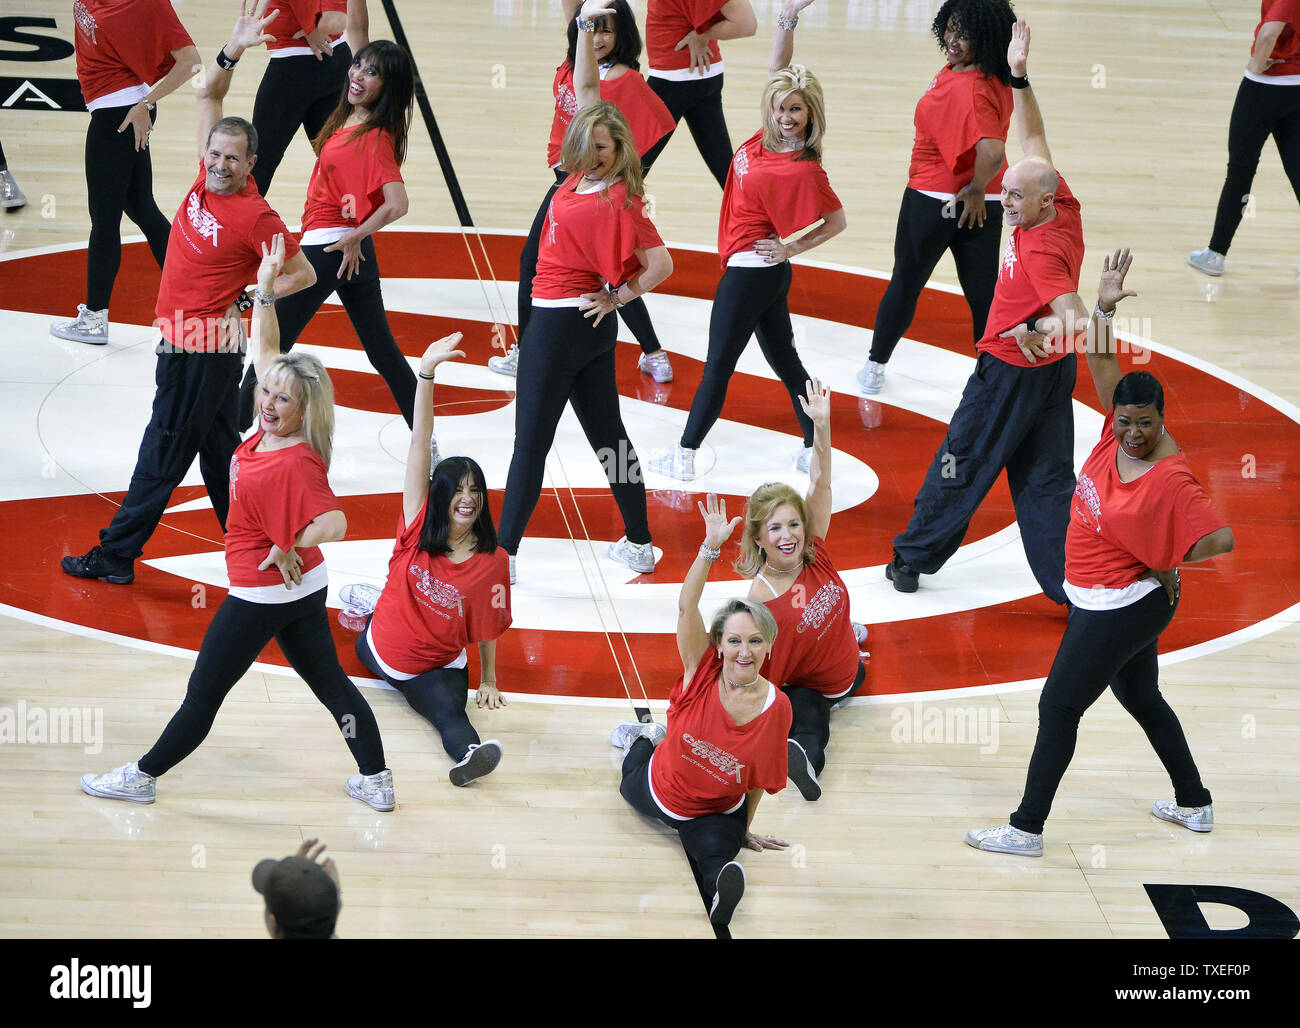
[710, 553]
[784, 22]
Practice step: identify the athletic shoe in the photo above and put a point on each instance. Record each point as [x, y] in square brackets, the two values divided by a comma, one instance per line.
[1198, 819]
[87, 327]
[626, 734]
[640, 557]
[360, 596]
[801, 771]
[802, 459]
[127, 782]
[905, 579]
[375, 791]
[507, 363]
[512, 569]
[871, 378]
[731, 886]
[96, 564]
[860, 633]
[11, 197]
[434, 455]
[482, 759]
[1207, 261]
[1006, 839]
[674, 462]
[656, 365]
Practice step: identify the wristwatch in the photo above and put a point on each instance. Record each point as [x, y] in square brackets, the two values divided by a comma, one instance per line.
[244, 302]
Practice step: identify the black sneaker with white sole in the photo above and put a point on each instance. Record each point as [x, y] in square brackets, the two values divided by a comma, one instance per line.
[801, 771]
[731, 886]
[479, 761]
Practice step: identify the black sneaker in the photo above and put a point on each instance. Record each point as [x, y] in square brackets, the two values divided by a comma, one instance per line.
[801, 771]
[731, 886]
[95, 564]
[479, 761]
[904, 578]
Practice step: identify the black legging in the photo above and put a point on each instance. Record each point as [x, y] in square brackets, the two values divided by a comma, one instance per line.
[237, 635]
[922, 236]
[439, 696]
[567, 359]
[362, 298]
[119, 180]
[699, 101]
[295, 92]
[1258, 112]
[1100, 648]
[711, 842]
[810, 726]
[749, 301]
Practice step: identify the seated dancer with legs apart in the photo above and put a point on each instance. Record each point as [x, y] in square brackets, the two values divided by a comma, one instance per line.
[776, 187]
[616, 47]
[599, 251]
[448, 586]
[725, 743]
[1138, 512]
[281, 511]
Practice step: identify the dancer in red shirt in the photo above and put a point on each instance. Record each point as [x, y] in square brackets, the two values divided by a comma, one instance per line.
[776, 188]
[725, 744]
[282, 510]
[1138, 512]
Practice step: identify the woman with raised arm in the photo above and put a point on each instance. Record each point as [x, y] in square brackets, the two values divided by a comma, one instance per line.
[725, 743]
[776, 187]
[448, 587]
[598, 253]
[281, 511]
[616, 48]
[1138, 512]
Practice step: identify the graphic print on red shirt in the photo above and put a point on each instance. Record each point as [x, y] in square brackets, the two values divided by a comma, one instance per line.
[347, 184]
[955, 113]
[124, 43]
[647, 117]
[1287, 47]
[667, 21]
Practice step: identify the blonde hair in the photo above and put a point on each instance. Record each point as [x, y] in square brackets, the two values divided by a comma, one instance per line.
[780, 87]
[763, 620]
[760, 508]
[578, 151]
[313, 389]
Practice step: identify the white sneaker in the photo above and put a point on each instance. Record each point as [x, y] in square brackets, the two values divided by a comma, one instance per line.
[507, 363]
[860, 633]
[656, 365]
[802, 459]
[513, 577]
[640, 557]
[482, 759]
[1207, 261]
[674, 462]
[629, 732]
[376, 791]
[1198, 819]
[11, 197]
[87, 327]
[127, 782]
[731, 886]
[871, 378]
[361, 597]
[1005, 839]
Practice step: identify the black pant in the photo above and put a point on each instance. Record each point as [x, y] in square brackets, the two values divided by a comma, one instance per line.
[193, 415]
[1258, 112]
[119, 179]
[439, 696]
[922, 236]
[749, 301]
[294, 92]
[810, 726]
[711, 842]
[1014, 418]
[238, 634]
[1100, 648]
[635, 314]
[699, 101]
[565, 359]
[362, 298]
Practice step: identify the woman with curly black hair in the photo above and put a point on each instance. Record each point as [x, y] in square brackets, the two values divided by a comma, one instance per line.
[957, 159]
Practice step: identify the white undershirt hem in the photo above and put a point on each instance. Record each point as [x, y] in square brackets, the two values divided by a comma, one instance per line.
[1100, 597]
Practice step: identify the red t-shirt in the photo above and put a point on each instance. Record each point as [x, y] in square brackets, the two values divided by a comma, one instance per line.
[815, 646]
[213, 252]
[770, 192]
[1287, 49]
[646, 114]
[590, 239]
[124, 43]
[294, 16]
[274, 495]
[667, 21]
[1120, 530]
[956, 112]
[708, 763]
[347, 184]
[431, 609]
[1038, 265]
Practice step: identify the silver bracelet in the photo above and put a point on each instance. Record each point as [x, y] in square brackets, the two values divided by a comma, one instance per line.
[710, 553]
[613, 296]
[783, 22]
[1104, 315]
[265, 299]
[586, 24]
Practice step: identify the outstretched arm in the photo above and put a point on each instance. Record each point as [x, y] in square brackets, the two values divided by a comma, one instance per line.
[818, 501]
[586, 75]
[358, 25]
[264, 336]
[415, 487]
[783, 41]
[1028, 118]
[249, 31]
[692, 636]
[1103, 362]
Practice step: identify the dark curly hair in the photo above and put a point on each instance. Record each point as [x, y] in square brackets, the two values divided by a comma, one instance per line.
[987, 24]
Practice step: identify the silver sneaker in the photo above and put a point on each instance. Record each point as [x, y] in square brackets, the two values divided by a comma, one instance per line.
[127, 782]
[1198, 819]
[629, 732]
[482, 759]
[640, 557]
[434, 456]
[674, 462]
[11, 197]
[1006, 839]
[1207, 261]
[802, 459]
[513, 575]
[360, 596]
[860, 633]
[656, 365]
[376, 791]
[507, 363]
[871, 378]
[87, 327]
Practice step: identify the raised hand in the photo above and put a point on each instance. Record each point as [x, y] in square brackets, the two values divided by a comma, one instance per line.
[441, 350]
[1111, 288]
[717, 529]
[1018, 50]
[272, 263]
[818, 403]
[595, 9]
[250, 26]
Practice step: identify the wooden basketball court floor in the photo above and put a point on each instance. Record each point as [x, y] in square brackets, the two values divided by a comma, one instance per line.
[1136, 100]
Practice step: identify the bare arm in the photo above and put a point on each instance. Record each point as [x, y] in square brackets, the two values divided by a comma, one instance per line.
[571, 9]
[188, 63]
[249, 31]
[586, 76]
[395, 206]
[264, 335]
[1265, 42]
[783, 40]
[1067, 325]
[415, 486]
[1103, 362]
[692, 636]
[487, 694]
[738, 22]
[833, 223]
[1211, 545]
[989, 153]
[656, 265]
[358, 25]
[818, 501]
[1028, 118]
[329, 527]
[298, 274]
